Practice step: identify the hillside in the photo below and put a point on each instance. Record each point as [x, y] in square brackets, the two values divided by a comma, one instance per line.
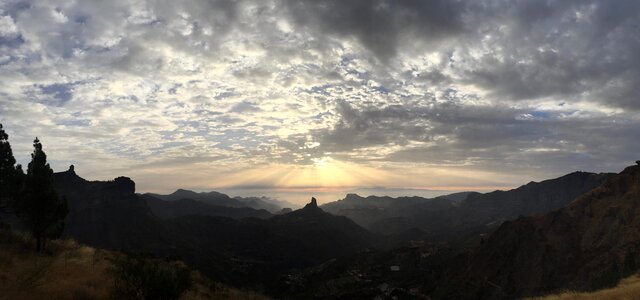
[251, 251]
[628, 288]
[74, 271]
[589, 244]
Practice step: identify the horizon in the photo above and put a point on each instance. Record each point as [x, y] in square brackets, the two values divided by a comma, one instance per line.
[301, 196]
[293, 98]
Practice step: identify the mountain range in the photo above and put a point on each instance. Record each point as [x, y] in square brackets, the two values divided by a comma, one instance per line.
[220, 199]
[578, 231]
[460, 216]
[239, 245]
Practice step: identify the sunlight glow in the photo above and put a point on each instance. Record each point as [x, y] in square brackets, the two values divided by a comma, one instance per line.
[324, 173]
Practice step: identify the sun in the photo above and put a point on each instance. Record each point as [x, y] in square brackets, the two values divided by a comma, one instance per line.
[323, 173]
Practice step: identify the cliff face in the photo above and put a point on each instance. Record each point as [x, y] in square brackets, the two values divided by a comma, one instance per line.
[588, 244]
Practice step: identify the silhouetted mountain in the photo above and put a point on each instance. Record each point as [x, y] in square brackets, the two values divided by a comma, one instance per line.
[183, 207]
[369, 210]
[329, 236]
[463, 215]
[245, 252]
[220, 199]
[265, 203]
[212, 198]
[588, 244]
[107, 213]
[253, 251]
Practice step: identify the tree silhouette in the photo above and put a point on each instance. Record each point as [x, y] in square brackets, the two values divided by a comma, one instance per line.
[11, 175]
[39, 206]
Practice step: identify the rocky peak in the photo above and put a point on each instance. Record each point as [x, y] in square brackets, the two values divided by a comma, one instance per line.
[125, 185]
[67, 177]
[312, 205]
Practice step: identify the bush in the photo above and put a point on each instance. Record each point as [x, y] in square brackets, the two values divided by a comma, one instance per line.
[630, 264]
[145, 278]
[606, 279]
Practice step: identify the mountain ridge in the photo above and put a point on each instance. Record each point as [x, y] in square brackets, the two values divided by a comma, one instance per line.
[466, 214]
[588, 244]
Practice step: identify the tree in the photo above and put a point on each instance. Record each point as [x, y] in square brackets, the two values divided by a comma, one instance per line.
[11, 175]
[39, 206]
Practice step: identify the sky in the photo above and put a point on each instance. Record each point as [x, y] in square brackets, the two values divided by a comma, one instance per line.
[299, 98]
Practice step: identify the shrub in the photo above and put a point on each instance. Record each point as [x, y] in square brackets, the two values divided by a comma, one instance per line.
[630, 264]
[138, 277]
[606, 279]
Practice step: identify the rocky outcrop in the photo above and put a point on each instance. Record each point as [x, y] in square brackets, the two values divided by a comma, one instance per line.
[106, 214]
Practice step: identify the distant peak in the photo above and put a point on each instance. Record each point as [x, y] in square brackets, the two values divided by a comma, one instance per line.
[313, 204]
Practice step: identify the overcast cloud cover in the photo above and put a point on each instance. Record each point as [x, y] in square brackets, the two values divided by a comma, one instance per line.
[430, 93]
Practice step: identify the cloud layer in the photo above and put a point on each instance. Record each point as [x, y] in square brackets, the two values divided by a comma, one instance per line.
[203, 90]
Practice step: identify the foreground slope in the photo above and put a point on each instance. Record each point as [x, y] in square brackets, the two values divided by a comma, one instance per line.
[628, 288]
[589, 244]
[73, 271]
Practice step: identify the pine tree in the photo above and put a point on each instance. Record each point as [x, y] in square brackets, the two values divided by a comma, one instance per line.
[39, 206]
[11, 175]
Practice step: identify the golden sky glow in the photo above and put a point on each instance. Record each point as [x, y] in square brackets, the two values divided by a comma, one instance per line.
[323, 173]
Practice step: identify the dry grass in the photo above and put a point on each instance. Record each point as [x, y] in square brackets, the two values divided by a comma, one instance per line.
[70, 271]
[203, 288]
[74, 271]
[629, 288]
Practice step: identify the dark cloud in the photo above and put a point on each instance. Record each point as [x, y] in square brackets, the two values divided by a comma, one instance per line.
[489, 137]
[565, 49]
[380, 25]
[61, 92]
[529, 49]
[245, 107]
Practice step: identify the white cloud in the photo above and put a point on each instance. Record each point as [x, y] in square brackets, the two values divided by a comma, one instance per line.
[159, 88]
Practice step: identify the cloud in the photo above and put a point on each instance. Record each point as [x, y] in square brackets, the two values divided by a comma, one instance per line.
[488, 137]
[380, 26]
[226, 85]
